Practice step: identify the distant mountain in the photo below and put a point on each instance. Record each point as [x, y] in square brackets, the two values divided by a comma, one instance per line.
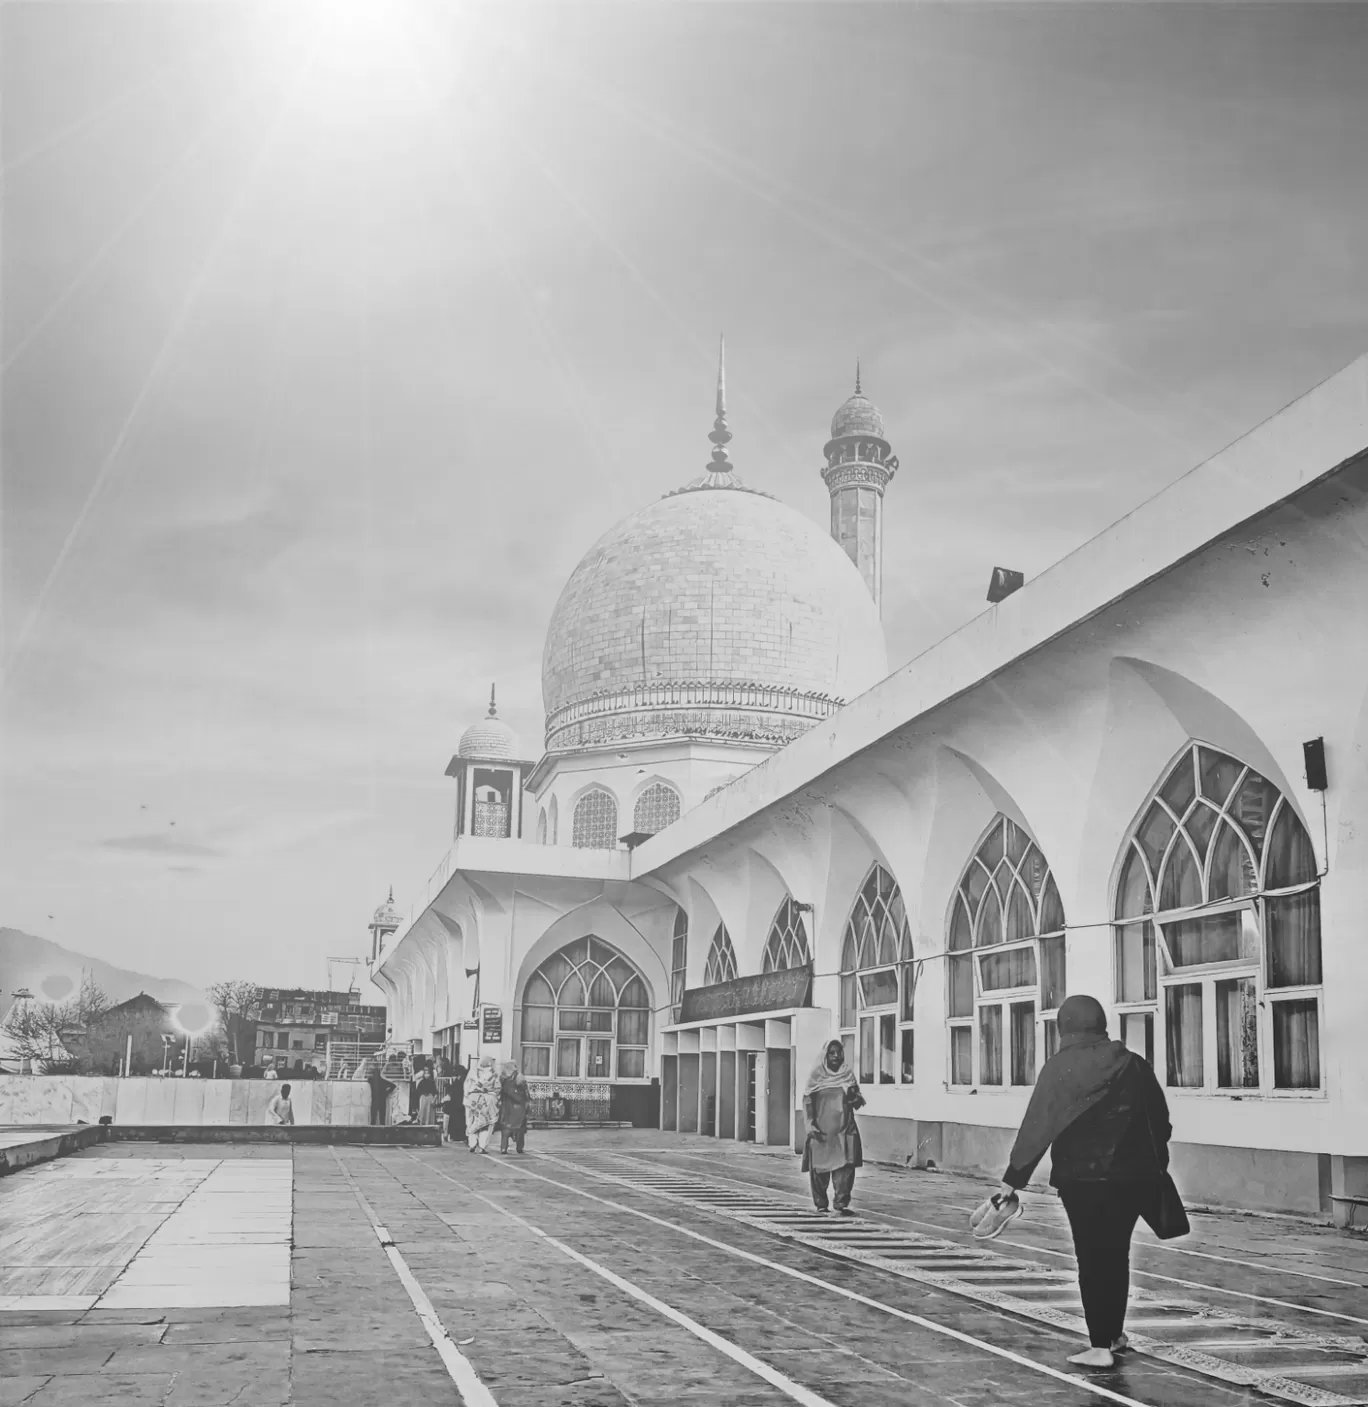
[53, 973]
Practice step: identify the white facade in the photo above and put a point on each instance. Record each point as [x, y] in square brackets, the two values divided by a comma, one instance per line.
[1227, 614]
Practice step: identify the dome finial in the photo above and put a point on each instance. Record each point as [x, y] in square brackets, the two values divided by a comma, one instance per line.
[720, 435]
[493, 712]
[390, 900]
[857, 376]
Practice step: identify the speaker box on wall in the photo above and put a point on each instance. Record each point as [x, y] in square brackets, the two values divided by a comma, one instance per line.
[1313, 753]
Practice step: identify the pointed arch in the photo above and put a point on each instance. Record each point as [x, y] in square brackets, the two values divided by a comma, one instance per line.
[1005, 962]
[1216, 907]
[721, 959]
[553, 822]
[594, 821]
[657, 806]
[787, 945]
[585, 1015]
[679, 961]
[879, 982]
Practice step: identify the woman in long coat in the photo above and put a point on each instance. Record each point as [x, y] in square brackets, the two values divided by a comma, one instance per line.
[512, 1108]
[832, 1150]
[1098, 1106]
[481, 1104]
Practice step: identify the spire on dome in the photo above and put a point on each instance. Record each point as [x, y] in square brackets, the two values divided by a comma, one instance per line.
[493, 711]
[390, 900]
[720, 435]
[857, 377]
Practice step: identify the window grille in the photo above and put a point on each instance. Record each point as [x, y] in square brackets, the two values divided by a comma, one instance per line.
[586, 1015]
[594, 826]
[679, 962]
[656, 808]
[878, 984]
[1005, 971]
[1217, 929]
[721, 965]
[787, 944]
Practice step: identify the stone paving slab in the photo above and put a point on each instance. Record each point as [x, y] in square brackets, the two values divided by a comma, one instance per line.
[540, 1328]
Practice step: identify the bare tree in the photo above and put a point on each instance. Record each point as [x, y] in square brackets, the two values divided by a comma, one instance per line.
[41, 1032]
[239, 1005]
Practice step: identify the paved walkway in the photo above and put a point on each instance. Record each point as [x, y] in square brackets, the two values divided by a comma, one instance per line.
[613, 1268]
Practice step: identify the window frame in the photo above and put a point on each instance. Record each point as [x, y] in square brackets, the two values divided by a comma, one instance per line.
[608, 822]
[587, 971]
[878, 894]
[787, 935]
[679, 962]
[1207, 975]
[1004, 1000]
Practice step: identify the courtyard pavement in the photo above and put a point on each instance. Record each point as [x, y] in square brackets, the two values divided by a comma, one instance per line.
[607, 1268]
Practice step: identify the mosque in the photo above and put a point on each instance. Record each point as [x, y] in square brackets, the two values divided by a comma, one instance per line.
[1143, 775]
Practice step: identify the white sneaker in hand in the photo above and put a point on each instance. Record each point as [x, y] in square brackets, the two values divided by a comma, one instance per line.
[990, 1219]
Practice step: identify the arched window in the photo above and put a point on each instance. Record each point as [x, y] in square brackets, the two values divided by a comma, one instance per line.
[1005, 971]
[587, 1005]
[878, 983]
[721, 959]
[656, 808]
[1218, 930]
[679, 962]
[541, 826]
[787, 944]
[595, 821]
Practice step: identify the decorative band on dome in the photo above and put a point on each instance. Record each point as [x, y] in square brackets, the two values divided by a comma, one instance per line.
[720, 710]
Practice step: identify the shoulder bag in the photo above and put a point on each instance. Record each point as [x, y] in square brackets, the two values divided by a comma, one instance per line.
[1167, 1217]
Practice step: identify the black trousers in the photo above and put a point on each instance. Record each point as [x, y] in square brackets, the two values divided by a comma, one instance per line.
[517, 1135]
[843, 1180]
[1102, 1217]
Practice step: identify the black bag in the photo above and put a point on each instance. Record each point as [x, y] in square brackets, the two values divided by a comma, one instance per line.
[1167, 1216]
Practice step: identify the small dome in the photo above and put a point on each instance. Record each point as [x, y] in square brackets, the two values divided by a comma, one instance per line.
[491, 739]
[858, 416]
[387, 916]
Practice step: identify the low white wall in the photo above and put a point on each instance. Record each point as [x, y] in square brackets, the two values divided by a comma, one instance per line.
[70, 1099]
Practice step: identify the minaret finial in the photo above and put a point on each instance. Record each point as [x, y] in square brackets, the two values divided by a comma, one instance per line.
[857, 376]
[720, 435]
[493, 712]
[391, 894]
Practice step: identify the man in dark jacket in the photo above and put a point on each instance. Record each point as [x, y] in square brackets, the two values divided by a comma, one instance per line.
[1099, 1108]
[380, 1091]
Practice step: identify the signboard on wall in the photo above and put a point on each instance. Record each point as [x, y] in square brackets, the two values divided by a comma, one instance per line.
[492, 1033]
[770, 991]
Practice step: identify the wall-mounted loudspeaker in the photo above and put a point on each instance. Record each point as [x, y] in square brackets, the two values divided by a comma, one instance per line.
[1313, 754]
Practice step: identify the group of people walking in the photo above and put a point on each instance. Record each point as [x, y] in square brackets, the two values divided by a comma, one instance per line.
[472, 1104]
[1099, 1110]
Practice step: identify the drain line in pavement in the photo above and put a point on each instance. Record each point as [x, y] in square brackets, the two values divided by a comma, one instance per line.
[988, 1278]
[460, 1369]
[1072, 1379]
[761, 1369]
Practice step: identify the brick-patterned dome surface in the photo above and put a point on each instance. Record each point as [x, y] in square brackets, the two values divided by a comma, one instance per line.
[713, 585]
[490, 739]
[858, 416]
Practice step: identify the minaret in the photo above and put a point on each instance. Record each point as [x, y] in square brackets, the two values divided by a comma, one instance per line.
[859, 464]
[386, 920]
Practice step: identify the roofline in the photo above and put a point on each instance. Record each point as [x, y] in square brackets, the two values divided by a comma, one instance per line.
[1325, 427]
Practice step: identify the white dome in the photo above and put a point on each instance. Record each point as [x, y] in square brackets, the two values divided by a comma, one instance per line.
[491, 739]
[714, 613]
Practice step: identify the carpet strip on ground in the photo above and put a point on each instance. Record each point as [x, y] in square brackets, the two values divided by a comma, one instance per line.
[1295, 1365]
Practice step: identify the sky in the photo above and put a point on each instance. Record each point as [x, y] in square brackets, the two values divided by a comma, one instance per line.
[334, 337]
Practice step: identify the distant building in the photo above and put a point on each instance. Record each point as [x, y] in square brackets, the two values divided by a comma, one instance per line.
[297, 1025]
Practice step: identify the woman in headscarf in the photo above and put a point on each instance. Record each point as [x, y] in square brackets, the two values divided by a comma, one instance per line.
[512, 1108]
[455, 1104]
[481, 1104]
[832, 1150]
[1099, 1108]
[426, 1088]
